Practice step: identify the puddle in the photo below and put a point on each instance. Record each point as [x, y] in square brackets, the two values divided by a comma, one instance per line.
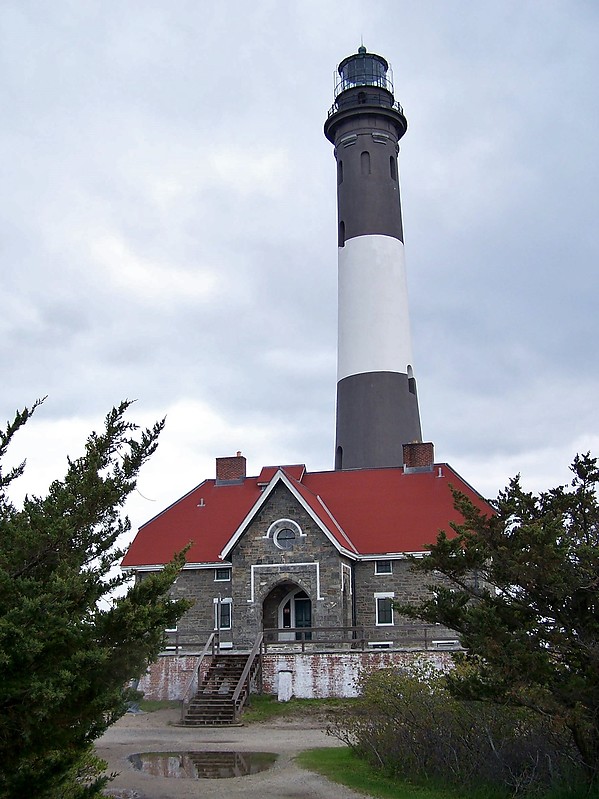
[202, 765]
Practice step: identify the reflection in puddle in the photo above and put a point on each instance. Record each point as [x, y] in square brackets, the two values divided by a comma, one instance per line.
[202, 765]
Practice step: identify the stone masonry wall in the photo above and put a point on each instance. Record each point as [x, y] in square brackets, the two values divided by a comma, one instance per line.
[200, 586]
[312, 563]
[406, 586]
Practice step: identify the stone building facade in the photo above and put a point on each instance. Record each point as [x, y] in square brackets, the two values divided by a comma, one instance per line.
[302, 556]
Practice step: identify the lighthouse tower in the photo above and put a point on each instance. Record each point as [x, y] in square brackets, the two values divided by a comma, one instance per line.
[377, 405]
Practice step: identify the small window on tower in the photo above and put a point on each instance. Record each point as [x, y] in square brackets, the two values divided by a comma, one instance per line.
[339, 172]
[393, 167]
[365, 162]
[411, 380]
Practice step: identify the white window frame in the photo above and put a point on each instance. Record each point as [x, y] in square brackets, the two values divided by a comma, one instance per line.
[218, 603]
[383, 595]
[218, 579]
[383, 560]
[282, 524]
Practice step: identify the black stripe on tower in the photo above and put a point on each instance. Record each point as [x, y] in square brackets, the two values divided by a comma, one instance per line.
[377, 413]
[368, 197]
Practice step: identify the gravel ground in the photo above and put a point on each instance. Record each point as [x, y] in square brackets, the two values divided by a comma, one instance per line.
[155, 732]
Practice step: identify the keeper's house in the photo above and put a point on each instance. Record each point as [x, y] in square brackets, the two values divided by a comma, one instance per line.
[302, 556]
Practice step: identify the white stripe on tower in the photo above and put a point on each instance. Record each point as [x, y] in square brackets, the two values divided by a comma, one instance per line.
[377, 406]
[373, 325]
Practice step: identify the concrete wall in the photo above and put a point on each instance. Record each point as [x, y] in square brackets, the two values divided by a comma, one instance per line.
[313, 675]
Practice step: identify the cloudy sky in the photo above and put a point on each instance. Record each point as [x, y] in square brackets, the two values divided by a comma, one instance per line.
[169, 228]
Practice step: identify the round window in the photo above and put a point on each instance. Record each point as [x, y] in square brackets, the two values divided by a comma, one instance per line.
[284, 533]
[284, 538]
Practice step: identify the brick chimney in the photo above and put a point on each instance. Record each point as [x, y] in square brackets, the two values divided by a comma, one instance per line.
[418, 456]
[230, 470]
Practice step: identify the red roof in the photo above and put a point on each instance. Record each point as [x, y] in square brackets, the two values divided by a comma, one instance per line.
[365, 512]
[297, 471]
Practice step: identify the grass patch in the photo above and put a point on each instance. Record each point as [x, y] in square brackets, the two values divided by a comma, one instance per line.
[264, 707]
[340, 765]
[151, 705]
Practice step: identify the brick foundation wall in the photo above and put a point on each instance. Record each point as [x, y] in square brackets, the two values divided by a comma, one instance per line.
[168, 677]
[335, 674]
[313, 675]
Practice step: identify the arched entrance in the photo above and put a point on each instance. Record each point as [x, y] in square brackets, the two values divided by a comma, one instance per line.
[287, 607]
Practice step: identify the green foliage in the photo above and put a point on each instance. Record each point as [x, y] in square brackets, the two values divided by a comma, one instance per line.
[410, 727]
[521, 589]
[67, 648]
[343, 766]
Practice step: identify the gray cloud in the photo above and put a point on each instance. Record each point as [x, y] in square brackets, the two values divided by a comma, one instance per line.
[168, 221]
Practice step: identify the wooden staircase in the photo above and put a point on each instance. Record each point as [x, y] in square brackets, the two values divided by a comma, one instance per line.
[220, 697]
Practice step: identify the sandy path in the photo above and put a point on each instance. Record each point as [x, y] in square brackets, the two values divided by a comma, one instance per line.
[153, 732]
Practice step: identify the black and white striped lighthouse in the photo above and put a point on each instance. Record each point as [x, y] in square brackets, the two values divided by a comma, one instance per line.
[377, 405]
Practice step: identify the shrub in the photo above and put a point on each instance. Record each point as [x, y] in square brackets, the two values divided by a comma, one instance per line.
[411, 727]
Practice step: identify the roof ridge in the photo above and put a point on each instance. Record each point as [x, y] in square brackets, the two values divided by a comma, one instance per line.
[294, 466]
[336, 523]
[304, 489]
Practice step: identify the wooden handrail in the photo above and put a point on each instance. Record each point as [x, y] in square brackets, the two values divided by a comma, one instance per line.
[246, 669]
[176, 641]
[193, 682]
[425, 636]
[350, 638]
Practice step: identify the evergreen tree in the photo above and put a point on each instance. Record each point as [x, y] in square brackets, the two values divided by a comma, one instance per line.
[521, 588]
[68, 648]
